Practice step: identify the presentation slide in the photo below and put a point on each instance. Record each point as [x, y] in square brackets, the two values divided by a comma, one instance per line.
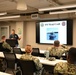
[53, 30]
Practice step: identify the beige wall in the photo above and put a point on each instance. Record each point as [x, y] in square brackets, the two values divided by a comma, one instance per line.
[74, 32]
[29, 32]
[20, 32]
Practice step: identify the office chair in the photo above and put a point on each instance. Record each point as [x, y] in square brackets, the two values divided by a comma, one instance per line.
[1, 46]
[27, 67]
[17, 51]
[10, 59]
[36, 51]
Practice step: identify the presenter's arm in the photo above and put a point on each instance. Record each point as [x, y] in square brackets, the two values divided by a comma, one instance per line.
[19, 38]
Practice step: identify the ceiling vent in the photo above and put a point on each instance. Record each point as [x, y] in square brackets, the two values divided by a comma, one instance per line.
[34, 16]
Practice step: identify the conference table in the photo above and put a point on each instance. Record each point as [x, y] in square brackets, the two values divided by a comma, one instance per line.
[2, 73]
[47, 64]
[45, 61]
[42, 59]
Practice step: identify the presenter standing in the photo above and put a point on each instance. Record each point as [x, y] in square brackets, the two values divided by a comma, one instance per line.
[13, 35]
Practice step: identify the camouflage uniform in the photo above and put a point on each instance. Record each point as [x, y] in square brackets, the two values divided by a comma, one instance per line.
[28, 56]
[7, 46]
[57, 51]
[65, 69]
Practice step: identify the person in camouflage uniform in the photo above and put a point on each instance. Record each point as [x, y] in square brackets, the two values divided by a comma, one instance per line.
[6, 47]
[28, 56]
[69, 67]
[57, 49]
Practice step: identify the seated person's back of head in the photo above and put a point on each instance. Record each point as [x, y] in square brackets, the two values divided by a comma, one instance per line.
[28, 56]
[56, 43]
[69, 67]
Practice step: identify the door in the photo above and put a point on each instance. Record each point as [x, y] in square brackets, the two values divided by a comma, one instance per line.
[4, 31]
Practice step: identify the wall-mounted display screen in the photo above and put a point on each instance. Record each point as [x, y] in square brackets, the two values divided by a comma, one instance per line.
[49, 31]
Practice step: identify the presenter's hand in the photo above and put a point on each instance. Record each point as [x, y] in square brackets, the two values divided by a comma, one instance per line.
[20, 38]
[66, 47]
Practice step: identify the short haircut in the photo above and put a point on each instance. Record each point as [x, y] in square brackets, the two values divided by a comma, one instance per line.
[28, 48]
[72, 54]
[3, 37]
[13, 30]
[56, 43]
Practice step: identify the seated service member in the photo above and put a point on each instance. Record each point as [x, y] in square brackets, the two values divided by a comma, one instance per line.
[69, 67]
[4, 45]
[57, 49]
[28, 56]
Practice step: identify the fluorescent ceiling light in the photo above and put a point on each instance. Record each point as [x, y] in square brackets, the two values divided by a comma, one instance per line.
[21, 5]
[9, 17]
[3, 13]
[61, 12]
[56, 8]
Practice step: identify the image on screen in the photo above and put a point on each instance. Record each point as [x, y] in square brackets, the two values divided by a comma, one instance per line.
[54, 30]
[52, 34]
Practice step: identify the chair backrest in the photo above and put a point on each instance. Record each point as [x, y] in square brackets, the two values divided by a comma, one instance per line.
[1, 48]
[36, 51]
[27, 67]
[10, 60]
[17, 50]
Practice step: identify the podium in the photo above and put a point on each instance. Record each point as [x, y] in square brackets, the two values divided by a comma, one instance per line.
[11, 42]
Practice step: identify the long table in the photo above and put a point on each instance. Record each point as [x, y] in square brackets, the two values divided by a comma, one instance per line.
[45, 61]
[42, 59]
[47, 64]
[2, 73]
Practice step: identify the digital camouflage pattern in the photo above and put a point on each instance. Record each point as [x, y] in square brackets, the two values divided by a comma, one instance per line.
[65, 68]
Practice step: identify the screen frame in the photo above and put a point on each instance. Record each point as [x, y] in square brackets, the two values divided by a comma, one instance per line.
[69, 31]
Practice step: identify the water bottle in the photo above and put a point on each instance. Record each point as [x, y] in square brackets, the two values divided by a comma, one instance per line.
[46, 54]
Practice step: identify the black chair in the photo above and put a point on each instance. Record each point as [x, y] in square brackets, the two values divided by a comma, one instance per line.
[27, 67]
[10, 59]
[36, 51]
[1, 46]
[17, 51]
